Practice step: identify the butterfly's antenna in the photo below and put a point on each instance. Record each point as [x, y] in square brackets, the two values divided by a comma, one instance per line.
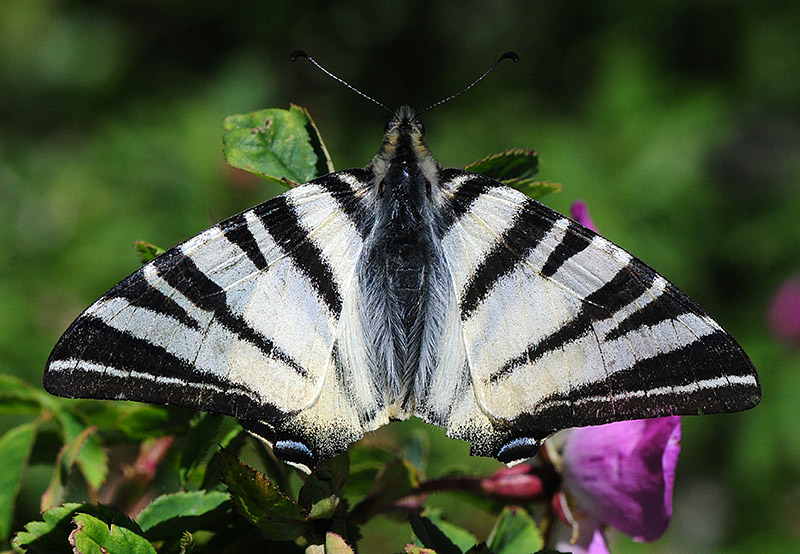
[302, 54]
[507, 55]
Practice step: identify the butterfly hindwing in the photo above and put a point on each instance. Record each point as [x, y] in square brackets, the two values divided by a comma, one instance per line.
[241, 319]
[562, 328]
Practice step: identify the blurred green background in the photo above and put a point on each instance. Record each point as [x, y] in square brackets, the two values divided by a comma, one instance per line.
[677, 121]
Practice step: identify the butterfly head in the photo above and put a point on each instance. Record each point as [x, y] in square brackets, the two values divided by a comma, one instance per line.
[404, 150]
[404, 125]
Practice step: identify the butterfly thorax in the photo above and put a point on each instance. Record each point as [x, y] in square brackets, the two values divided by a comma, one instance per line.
[401, 253]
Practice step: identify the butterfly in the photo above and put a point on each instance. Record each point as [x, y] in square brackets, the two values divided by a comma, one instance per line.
[403, 289]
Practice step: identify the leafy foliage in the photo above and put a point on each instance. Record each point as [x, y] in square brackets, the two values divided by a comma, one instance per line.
[94, 536]
[516, 168]
[15, 449]
[514, 531]
[147, 251]
[196, 510]
[281, 145]
[215, 502]
[53, 533]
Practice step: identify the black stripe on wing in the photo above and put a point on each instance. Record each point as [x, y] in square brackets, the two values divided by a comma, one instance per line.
[138, 292]
[710, 375]
[349, 200]
[151, 373]
[460, 200]
[238, 232]
[511, 248]
[574, 241]
[626, 286]
[716, 377]
[283, 224]
[667, 306]
[286, 228]
[182, 274]
[532, 222]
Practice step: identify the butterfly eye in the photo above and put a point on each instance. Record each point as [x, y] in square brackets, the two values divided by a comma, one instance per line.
[420, 126]
[389, 125]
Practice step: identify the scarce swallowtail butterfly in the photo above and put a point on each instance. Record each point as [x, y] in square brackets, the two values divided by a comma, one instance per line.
[403, 289]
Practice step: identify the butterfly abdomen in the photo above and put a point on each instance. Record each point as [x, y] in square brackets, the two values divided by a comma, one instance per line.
[399, 255]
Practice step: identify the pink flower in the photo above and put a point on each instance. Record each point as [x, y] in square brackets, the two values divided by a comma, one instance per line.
[580, 213]
[519, 483]
[784, 312]
[621, 475]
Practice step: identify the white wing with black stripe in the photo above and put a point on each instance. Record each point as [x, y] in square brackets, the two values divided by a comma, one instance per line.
[242, 319]
[562, 328]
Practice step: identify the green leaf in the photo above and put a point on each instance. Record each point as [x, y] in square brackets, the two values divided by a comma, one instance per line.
[321, 494]
[324, 162]
[260, 502]
[334, 544]
[93, 463]
[15, 450]
[416, 448]
[462, 538]
[394, 481]
[83, 450]
[169, 515]
[134, 420]
[533, 188]
[147, 252]
[479, 549]
[232, 443]
[515, 168]
[145, 421]
[19, 397]
[281, 145]
[199, 443]
[323, 506]
[515, 532]
[187, 543]
[517, 163]
[94, 536]
[431, 536]
[365, 463]
[414, 549]
[49, 536]
[56, 491]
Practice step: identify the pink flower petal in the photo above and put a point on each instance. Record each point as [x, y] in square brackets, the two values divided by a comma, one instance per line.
[622, 473]
[514, 482]
[580, 213]
[589, 539]
[598, 543]
[784, 311]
